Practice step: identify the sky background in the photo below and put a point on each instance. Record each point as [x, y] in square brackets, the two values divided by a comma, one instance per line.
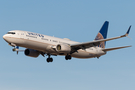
[78, 20]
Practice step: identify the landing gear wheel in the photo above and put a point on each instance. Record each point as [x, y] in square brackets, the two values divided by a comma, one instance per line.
[14, 49]
[49, 60]
[68, 57]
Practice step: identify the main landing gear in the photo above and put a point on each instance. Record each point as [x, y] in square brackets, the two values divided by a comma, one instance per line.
[49, 59]
[68, 57]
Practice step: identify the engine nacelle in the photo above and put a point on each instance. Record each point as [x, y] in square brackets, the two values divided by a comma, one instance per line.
[31, 53]
[63, 48]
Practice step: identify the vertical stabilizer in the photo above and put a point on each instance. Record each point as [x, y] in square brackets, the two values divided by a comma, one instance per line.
[102, 34]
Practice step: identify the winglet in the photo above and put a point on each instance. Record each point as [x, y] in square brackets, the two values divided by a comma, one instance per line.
[126, 35]
[128, 31]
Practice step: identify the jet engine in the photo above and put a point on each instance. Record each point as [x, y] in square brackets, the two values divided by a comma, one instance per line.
[63, 48]
[31, 53]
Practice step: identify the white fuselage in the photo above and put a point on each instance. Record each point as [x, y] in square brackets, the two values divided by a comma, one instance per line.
[46, 44]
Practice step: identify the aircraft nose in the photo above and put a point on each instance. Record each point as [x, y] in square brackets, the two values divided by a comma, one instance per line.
[4, 37]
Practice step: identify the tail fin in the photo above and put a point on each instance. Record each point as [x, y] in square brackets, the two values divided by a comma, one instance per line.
[102, 34]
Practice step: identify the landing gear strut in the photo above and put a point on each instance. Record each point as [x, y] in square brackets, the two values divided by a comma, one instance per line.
[68, 57]
[49, 59]
[98, 57]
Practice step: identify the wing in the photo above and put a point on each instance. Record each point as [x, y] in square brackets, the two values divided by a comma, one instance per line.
[75, 47]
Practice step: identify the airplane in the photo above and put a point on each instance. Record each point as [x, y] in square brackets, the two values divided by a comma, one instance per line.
[39, 44]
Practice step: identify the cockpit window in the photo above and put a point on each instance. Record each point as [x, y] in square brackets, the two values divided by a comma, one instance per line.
[11, 33]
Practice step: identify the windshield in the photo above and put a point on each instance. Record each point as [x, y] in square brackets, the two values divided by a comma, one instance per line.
[11, 33]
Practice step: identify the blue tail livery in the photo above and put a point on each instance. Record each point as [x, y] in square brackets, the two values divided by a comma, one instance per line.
[102, 34]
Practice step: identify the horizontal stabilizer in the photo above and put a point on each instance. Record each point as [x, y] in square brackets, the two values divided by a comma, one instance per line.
[110, 49]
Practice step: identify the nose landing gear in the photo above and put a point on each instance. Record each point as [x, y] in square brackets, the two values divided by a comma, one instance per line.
[16, 48]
